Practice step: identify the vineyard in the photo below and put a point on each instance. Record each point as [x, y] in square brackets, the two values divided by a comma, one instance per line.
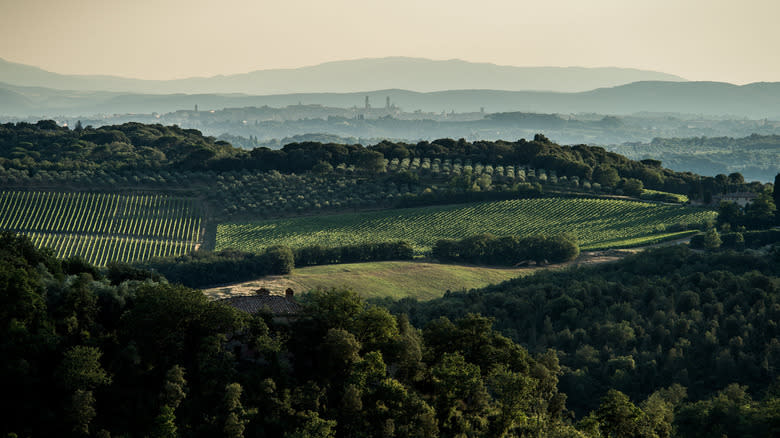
[103, 227]
[597, 223]
[264, 195]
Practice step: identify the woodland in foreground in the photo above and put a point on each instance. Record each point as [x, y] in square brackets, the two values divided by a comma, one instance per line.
[690, 337]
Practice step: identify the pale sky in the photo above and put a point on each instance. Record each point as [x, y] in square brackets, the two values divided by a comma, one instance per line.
[720, 40]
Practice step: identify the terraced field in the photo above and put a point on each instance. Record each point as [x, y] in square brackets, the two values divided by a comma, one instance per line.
[597, 223]
[103, 227]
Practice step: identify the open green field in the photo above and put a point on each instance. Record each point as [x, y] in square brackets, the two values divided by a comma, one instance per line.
[103, 227]
[597, 223]
[396, 280]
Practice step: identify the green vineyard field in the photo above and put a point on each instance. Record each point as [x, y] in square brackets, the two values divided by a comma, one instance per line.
[597, 223]
[103, 227]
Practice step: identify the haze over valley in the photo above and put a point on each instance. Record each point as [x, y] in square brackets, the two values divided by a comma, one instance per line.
[355, 219]
[630, 107]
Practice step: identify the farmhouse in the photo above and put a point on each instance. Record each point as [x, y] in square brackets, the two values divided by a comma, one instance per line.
[283, 307]
[739, 198]
[279, 305]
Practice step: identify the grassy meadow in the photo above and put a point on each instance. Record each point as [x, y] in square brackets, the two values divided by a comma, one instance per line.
[396, 280]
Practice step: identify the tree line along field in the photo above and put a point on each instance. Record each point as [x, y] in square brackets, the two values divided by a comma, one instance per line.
[597, 224]
[103, 227]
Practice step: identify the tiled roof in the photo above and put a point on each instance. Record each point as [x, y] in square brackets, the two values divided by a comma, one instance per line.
[277, 304]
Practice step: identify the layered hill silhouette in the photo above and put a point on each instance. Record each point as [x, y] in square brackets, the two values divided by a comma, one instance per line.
[410, 83]
[758, 100]
[417, 74]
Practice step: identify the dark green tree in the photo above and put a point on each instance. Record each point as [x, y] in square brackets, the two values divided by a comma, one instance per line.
[82, 373]
[461, 398]
[605, 175]
[322, 168]
[236, 416]
[619, 418]
[761, 211]
[633, 187]
[736, 179]
[712, 239]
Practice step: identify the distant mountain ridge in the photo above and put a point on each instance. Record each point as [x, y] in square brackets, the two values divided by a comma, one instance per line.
[758, 100]
[417, 74]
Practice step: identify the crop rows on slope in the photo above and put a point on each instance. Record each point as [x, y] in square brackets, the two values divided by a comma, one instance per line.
[240, 194]
[103, 227]
[100, 250]
[271, 194]
[447, 167]
[597, 223]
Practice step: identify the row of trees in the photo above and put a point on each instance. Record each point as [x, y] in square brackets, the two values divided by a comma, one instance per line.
[487, 249]
[206, 268]
[736, 240]
[368, 252]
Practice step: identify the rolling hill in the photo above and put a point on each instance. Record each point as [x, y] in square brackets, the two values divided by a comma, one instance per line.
[349, 76]
[759, 100]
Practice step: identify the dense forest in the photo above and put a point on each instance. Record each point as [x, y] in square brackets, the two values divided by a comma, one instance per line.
[662, 317]
[670, 342]
[85, 356]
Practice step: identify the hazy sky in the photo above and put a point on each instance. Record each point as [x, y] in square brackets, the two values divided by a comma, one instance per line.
[722, 40]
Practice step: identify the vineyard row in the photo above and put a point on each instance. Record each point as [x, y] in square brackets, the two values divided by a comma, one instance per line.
[151, 216]
[101, 250]
[103, 227]
[594, 222]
